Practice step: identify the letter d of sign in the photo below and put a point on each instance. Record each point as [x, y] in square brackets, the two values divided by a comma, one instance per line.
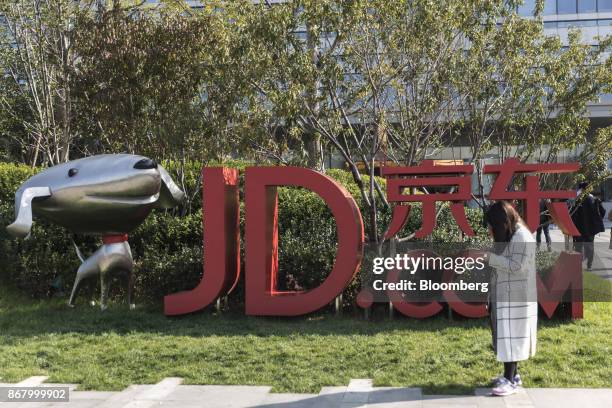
[261, 296]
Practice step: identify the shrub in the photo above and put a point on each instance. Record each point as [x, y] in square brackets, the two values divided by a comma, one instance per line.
[168, 255]
[11, 177]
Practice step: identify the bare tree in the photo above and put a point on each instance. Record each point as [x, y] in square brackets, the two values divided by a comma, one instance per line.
[38, 57]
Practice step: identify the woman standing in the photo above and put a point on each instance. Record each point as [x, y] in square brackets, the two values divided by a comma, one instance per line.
[610, 219]
[513, 303]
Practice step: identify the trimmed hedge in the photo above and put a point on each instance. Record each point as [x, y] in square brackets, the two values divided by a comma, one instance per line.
[167, 248]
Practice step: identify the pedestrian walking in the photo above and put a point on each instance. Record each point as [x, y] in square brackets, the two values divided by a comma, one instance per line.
[545, 220]
[588, 219]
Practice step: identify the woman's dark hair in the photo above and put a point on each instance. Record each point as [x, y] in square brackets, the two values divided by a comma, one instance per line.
[503, 219]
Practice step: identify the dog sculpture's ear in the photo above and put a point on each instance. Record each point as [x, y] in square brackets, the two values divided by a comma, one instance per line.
[170, 195]
[23, 221]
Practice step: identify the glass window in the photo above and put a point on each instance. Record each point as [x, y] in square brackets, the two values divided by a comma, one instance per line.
[302, 35]
[577, 23]
[566, 6]
[550, 24]
[527, 8]
[550, 7]
[607, 189]
[584, 23]
[587, 6]
[605, 23]
[604, 5]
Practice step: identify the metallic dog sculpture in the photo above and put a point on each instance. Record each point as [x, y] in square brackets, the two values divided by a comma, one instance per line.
[107, 195]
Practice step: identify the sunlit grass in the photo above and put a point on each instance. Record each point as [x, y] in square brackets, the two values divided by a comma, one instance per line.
[110, 350]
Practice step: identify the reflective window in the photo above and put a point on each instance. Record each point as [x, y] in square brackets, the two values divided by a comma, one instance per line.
[604, 5]
[566, 6]
[577, 23]
[527, 8]
[550, 24]
[302, 35]
[605, 23]
[587, 6]
[550, 7]
[607, 189]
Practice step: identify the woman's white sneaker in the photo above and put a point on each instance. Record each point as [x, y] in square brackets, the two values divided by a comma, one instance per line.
[504, 388]
[517, 380]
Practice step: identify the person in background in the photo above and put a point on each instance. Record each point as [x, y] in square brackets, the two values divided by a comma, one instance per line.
[544, 225]
[513, 306]
[588, 219]
[599, 204]
[610, 219]
[602, 212]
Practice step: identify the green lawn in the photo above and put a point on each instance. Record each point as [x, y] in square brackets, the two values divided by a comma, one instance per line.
[110, 350]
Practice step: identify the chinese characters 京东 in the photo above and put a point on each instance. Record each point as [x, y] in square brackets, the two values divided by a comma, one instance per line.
[427, 174]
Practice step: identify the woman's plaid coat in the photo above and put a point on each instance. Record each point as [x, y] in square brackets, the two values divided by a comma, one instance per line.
[513, 302]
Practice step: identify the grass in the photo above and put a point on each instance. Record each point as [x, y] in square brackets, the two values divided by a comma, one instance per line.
[595, 288]
[110, 350]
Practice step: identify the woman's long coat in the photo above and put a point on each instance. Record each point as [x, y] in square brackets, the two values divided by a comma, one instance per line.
[514, 307]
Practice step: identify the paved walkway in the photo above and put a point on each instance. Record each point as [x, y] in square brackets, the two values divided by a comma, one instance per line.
[359, 393]
[602, 263]
[603, 237]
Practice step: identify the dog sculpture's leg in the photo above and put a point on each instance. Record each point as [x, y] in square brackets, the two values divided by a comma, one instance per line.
[130, 277]
[89, 267]
[117, 258]
[130, 290]
[75, 290]
[106, 261]
[104, 287]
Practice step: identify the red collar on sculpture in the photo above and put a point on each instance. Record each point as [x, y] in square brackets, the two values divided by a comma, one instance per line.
[114, 239]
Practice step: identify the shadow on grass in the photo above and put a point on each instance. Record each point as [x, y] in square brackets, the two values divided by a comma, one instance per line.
[384, 395]
[33, 318]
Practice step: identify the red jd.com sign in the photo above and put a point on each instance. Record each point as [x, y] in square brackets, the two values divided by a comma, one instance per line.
[222, 234]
